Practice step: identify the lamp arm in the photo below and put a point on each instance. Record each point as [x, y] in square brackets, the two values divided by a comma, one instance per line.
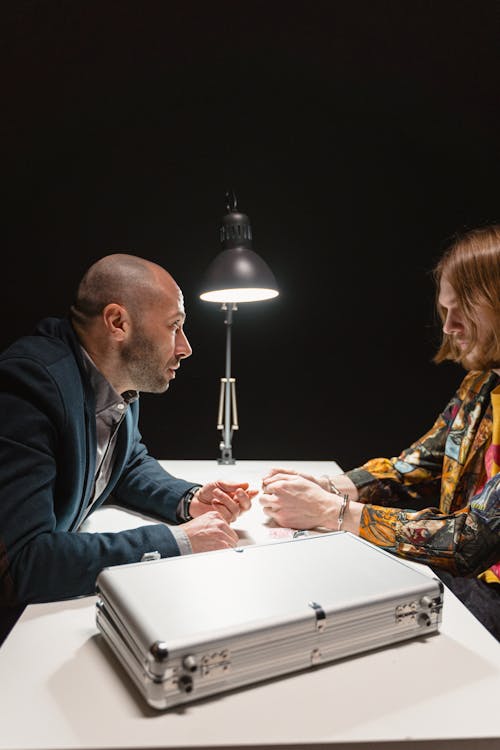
[227, 397]
[227, 389]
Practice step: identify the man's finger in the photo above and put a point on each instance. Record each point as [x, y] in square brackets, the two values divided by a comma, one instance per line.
[228, 500]
[227, 514]
[243, 500]
[231, 486]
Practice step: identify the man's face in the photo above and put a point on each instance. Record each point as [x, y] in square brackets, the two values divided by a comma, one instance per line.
[457, 325]
[157, 343]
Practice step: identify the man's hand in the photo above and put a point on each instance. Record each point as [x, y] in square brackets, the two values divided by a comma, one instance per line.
[210, 531]
[229, 499]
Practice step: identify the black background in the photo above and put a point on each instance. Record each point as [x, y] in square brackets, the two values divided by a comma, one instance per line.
[359, 137]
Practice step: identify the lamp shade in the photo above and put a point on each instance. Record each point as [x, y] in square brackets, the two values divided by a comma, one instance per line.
[237, 273]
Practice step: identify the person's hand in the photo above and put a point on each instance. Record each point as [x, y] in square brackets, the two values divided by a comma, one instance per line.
[320, 481]
[341, 481]
[210, 531]
[230, 499]
[298, 502]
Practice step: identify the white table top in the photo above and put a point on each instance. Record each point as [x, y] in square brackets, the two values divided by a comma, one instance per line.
[61, 687]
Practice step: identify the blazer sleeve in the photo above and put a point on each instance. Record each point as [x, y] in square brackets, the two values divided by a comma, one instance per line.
[41, 559]
[145, 486]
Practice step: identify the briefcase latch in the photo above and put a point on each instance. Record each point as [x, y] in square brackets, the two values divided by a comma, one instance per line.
[320, 615]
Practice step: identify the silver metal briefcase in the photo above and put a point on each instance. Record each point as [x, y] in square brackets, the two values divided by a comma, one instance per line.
[192, 626]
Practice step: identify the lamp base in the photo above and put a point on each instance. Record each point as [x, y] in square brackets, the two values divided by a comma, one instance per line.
[226, 456]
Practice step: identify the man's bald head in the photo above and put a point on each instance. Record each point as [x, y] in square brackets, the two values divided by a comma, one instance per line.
[126, 280]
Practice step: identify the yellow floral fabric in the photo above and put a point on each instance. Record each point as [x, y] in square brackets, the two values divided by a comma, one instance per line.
[438, 502]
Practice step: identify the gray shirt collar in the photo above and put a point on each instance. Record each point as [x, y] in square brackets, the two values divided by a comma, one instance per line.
[105, 395]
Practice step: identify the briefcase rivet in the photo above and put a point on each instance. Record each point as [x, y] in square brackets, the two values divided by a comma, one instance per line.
[424, 619]
[185, 683]
[319, 614]
[159, 650]
[315, 656]
[189, 663]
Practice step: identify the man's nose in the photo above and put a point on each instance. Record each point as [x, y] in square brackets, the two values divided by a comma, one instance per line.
[183, 348]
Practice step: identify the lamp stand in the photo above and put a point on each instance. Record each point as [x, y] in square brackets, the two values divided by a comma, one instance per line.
[227, 420]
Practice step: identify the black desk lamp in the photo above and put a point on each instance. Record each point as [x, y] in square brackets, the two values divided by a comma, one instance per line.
[237, 274]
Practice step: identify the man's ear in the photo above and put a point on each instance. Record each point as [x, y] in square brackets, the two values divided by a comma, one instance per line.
[116, 321]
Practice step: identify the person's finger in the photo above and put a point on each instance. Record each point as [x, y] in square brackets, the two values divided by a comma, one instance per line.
[223, 511]
[229, 501]
[229, 533]
[244, 502]
[269, 510]
[276, 482]
[224, 528]
[276, 470]
[266, 498]
[279, 488]
[230, 508]
[233, 536]
[231, 486]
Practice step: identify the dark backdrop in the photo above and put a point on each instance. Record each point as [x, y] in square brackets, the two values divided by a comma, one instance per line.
[359, 137]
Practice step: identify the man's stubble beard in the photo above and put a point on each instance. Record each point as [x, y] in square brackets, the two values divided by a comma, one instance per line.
[140, 360]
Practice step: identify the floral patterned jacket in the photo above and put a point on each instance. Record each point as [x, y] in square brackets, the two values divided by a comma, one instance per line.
[435, 503]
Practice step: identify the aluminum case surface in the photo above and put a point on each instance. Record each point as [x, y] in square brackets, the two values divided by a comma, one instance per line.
[192, 626]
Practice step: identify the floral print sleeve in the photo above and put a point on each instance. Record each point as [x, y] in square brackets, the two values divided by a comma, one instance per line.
[436, 503]
[413, 478]
[436, 469]
[464, 542]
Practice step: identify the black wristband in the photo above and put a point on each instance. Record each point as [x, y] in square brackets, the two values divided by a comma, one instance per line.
[186, 503]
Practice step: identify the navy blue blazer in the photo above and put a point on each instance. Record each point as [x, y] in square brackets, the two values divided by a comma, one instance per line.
[47, 466]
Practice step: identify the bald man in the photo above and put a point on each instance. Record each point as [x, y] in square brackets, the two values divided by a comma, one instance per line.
[69, 438]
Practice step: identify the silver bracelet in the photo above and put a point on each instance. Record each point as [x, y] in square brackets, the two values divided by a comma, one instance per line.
[331, 487]
[342, 510]
[345, 500]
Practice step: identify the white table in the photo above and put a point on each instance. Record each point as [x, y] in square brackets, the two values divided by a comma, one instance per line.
[61, 688]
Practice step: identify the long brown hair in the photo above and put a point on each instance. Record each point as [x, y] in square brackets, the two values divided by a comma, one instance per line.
[471, 264]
